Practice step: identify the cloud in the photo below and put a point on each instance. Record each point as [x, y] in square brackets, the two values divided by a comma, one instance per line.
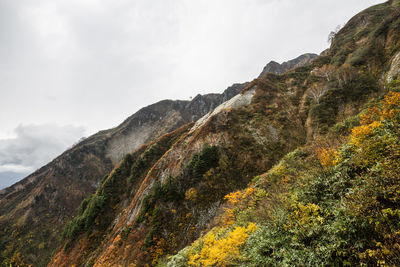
[35, 145]
[118, 55]
[94, 63]
[10, 178]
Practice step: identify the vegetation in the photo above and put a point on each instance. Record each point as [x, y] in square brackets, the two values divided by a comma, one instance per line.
[100, 203]
[318, 206]
[307, 174]
[173, 189]
[97, 211]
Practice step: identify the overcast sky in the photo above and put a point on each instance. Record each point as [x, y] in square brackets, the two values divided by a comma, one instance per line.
[69, 68]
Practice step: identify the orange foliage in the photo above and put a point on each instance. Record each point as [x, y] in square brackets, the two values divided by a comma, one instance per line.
[239, 201]
[374, 117]
[158, 250]
[234, 197]
[326, 156]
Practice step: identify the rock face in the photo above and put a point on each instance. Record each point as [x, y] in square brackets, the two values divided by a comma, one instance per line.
[276, 68]
[162, 117]
[394, 70]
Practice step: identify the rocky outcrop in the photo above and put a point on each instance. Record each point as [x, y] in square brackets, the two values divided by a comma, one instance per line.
[394, 70]
[162, 117]
[276, 68]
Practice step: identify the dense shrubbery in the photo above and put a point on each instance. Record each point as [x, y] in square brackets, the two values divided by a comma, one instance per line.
[318, 209]
[353, 89]
[202, 162]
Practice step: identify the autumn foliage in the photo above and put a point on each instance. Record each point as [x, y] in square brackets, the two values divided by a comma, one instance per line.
[346, 213]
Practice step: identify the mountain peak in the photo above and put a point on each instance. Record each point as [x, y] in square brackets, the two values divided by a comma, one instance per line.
[276, 68]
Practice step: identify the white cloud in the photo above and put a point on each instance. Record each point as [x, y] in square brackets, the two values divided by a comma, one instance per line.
[16, 168]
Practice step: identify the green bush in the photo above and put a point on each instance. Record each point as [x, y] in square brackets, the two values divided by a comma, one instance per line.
[155, 229]
[202, 162]
[344, 127]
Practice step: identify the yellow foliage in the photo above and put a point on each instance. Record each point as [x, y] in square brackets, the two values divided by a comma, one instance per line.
[305, 215]
[326, 156]
[239, 201]
[392, 99]
[233, 198]
[228, 217]
[363, 131]
[279, 169]
[249, 191]
[374, 117]
[369, 116]
[238, 196]
[191, 194]
[222, 251]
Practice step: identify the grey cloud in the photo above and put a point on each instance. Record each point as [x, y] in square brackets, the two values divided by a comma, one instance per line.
[94, 63]
[117, 56]
[33, 146]
[9, 178]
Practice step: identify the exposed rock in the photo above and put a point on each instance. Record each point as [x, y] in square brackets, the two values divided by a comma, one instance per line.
[162, 117]
[237, 101]
[276, 68]
[394, 70]
[53, 193]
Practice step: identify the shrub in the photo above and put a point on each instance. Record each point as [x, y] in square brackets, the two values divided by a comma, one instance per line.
[202, 162]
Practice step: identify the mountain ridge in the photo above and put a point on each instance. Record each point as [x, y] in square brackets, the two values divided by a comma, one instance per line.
[169, 204]
[51, 195]
[276, 68]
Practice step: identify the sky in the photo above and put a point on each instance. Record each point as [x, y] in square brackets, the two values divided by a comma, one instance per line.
[69, 68]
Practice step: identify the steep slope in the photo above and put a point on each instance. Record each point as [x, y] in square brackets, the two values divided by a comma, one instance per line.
[170, 203]
[34, 211]
[334, 202]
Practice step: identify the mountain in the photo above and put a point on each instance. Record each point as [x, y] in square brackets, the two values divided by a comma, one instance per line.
[276, 68]
[34, 211]
[299, 168]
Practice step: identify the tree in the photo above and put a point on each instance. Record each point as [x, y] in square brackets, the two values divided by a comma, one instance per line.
[326, 71]
[316, 92]
[333, 33]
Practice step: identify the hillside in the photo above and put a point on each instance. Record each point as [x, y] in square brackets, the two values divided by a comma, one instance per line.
[298, 167]
[34, 211]
[286, 173]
